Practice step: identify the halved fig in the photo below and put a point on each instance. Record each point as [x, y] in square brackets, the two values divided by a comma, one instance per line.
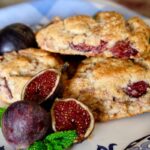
[42, 86]
[70, 114]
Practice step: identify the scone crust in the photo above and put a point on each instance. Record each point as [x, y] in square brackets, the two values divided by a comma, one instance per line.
[100, 83]
[16, 68]
[144, 61]
[110, 27]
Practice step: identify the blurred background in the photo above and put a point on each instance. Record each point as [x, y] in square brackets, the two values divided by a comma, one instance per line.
[141, 6]
[4, 3]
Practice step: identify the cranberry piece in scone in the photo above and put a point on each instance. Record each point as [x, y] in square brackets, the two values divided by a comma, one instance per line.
[137, 89]
[87, 48]
[123, 49]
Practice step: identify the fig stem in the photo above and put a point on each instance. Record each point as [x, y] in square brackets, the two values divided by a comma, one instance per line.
[64, 67]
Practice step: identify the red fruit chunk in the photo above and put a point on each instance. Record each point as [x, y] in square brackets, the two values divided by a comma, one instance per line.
[123, 49]
[86, 48]
[23, 123]
[74, 114]
[137, 89]
[42, 86]
[69, 114]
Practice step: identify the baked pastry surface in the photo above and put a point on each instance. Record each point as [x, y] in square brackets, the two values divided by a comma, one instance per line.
[112, 88]
[107, 34]
[17, 68]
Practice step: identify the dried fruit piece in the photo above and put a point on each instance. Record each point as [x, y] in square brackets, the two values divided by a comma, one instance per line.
[137, 89]
[42, 86]
[70, 114]
[123, 49]
[86, 48]
[23, 123]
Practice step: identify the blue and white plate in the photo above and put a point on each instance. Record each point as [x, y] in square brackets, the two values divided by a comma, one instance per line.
[113, 135]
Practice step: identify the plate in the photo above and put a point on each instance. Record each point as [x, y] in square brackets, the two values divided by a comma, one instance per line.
[118, 132]
[112, 135]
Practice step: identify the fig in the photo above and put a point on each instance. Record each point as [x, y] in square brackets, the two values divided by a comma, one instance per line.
[70, 114]
[42, 86]
[15, 37]
[23, 123]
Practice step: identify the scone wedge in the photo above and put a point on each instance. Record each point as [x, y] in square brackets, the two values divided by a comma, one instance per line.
[107, 34]
[112, 88]
[17, 68]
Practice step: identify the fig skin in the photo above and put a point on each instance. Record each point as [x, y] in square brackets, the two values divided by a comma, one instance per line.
[23, 123]
[15, 37]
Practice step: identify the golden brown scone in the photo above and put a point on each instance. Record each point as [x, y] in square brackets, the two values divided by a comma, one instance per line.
[111, 88]
[144, 61]
[108, 34]
[17, 68]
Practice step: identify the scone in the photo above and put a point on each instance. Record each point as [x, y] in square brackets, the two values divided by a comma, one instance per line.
[107, 34]
[112, 88]
[144, 61]
[17, 68]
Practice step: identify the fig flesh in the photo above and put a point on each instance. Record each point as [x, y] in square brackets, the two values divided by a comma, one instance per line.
[70, 114]
[42, 86]
[23, 123]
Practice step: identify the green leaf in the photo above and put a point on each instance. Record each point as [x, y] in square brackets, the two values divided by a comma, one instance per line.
[2, 110]
[39, 145]
[55, 141]
[49, 146]
[58, 147]
[64, 139]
